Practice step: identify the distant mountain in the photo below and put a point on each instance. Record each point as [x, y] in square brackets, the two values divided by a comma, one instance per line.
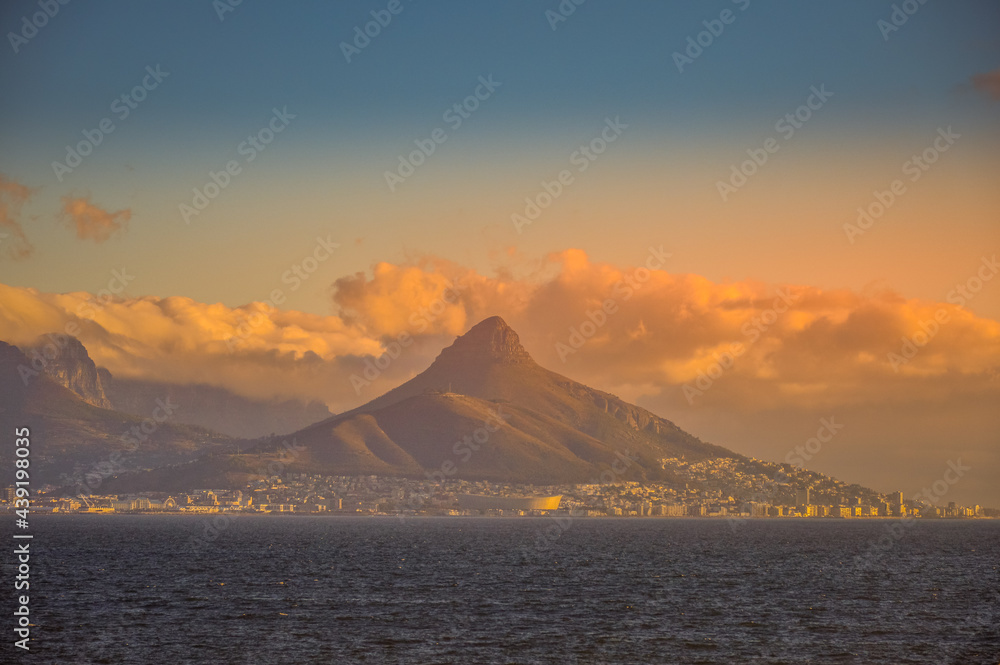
[66, 361]
[71, 437]
[484, 410]
[548, 428]
[214, 407]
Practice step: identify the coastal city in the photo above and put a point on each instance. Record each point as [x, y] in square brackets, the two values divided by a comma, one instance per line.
[726, 487]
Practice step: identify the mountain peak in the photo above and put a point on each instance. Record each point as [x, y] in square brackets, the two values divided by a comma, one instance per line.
[489, 340]
[67, 362]
[492, 324]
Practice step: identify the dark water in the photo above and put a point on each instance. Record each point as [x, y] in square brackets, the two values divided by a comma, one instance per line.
[131, 589]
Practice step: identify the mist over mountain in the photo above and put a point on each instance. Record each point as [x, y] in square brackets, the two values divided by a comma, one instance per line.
[70, 437]
[65, 360]
[214, 407]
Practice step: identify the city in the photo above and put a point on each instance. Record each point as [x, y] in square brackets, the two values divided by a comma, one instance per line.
[724, 487]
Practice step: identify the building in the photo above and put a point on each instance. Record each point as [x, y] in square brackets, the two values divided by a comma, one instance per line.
[803, 497]
[896, 504]
[482, 502]
[123, 505]
[166, 504]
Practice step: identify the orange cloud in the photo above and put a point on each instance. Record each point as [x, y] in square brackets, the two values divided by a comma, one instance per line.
[431, 297]
[92, 222]
[12, 197]
[647, 332]
[254, 350]
[988, 83]
[642, 333]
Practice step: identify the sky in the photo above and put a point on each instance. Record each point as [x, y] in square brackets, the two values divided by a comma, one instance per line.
[538, 162]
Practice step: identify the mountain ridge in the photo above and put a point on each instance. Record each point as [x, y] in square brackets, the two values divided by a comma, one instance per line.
[71, 437]
[65, 359]
[558, 430]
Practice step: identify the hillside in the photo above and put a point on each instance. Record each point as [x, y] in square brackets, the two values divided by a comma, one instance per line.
[70, 437]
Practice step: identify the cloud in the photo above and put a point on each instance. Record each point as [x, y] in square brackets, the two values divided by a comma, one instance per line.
[797, 344]
[431, 296]
[988, 83]
[92, 222]
[254, 350]
[13, 241]
[800, 347]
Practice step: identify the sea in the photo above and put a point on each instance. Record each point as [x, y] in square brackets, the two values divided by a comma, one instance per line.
[271, 589]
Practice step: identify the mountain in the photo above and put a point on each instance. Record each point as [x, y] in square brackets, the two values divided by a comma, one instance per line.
[71, 437]
[214, 407]
[486, 410]
[66, 361]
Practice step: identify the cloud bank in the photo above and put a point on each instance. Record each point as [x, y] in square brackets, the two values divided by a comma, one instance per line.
[639, 332]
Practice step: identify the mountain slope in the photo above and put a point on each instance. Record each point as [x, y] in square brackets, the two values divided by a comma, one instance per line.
[65, 360]
[548, 428]
[70, 437]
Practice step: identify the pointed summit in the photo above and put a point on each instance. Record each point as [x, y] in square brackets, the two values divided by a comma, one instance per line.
[539, 427]
[490, 340]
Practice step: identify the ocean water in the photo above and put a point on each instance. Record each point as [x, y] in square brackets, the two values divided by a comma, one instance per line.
[285, 589]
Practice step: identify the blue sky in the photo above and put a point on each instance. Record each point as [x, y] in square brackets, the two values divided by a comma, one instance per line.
[354, 119]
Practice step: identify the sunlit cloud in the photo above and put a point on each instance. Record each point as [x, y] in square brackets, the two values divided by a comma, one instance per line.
[797, 344]
[634, 331]
[254, 350]
[13, 242]
[92, 222]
